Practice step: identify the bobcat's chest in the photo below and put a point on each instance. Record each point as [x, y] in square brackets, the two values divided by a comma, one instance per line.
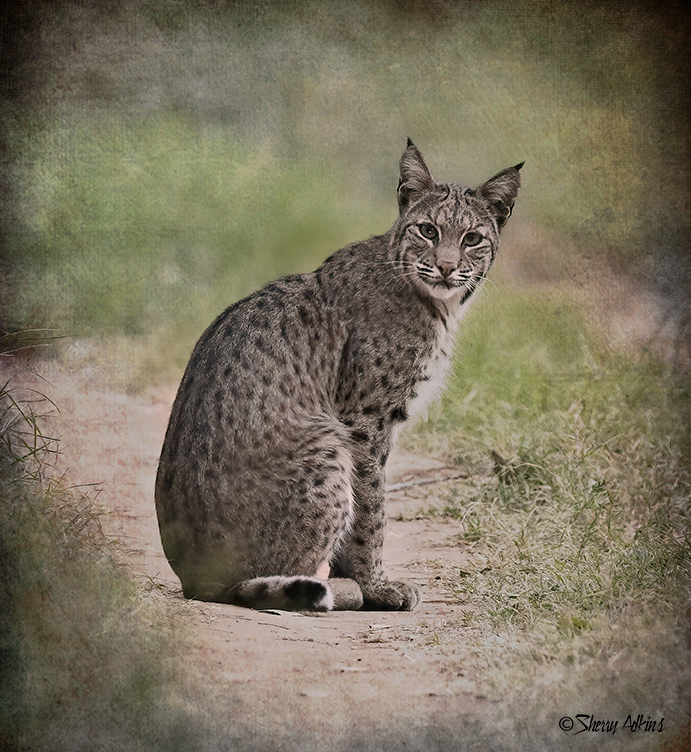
[434, 372]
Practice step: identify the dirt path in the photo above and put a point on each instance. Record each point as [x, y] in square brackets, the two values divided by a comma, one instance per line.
[337, 681]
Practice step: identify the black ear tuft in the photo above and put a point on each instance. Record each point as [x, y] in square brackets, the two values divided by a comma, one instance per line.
[410, 142]
[500, 193]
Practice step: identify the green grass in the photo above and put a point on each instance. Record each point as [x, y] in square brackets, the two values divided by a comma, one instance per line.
[273, 138]
[159, 223]
[576, 511]
[580, 502]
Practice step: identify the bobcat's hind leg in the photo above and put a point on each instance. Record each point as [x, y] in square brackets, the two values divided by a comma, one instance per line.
[269, 523]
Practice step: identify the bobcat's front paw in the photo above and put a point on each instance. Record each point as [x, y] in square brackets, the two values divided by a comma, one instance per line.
[391, 596]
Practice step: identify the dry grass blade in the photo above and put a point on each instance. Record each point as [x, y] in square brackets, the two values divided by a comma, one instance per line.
[80, 657]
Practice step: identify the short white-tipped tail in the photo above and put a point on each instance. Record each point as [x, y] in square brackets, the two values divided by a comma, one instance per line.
[285, 593]
[295, 594]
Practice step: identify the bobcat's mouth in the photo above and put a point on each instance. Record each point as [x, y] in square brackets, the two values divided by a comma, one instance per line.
[432, 281]
[442, 288]
[446, 283]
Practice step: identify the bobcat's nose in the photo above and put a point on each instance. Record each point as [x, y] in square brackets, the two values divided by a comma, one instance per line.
[446, 267]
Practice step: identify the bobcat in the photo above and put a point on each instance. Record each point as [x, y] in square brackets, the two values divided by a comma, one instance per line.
[273, 461]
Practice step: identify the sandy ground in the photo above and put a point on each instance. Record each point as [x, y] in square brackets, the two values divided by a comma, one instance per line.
[284, 681]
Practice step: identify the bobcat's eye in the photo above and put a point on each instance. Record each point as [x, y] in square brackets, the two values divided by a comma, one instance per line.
[472, 238]
[428, 231]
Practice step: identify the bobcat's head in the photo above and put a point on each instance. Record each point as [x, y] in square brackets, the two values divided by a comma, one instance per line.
[447, 236]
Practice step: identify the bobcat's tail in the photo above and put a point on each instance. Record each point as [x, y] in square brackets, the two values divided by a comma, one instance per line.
[296, 594]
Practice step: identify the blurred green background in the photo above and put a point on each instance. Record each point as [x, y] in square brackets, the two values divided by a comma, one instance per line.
[162, 159]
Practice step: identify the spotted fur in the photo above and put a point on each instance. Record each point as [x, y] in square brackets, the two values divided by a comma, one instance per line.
[273, 461]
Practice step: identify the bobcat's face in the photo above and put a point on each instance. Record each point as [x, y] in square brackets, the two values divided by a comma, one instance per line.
[447, 236]
[447, 245]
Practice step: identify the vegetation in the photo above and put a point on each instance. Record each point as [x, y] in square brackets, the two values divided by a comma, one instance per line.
[590, 466]
[168, 157]
[575, 513]
[175, 156]
[86, 655]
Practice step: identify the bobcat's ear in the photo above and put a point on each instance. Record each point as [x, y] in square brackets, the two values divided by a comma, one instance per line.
[500, 193]
[415, 176]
